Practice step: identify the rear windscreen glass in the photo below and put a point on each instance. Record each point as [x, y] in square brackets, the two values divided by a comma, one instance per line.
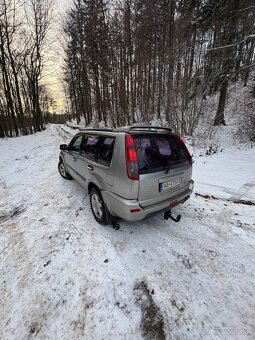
[156, 152]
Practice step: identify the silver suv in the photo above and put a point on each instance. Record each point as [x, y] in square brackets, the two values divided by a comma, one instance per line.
[129, 172]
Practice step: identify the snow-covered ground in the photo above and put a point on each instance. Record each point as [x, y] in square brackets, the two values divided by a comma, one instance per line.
[63, 276]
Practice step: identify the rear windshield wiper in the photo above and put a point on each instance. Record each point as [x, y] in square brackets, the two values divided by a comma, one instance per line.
[167, 167]
[169, 164]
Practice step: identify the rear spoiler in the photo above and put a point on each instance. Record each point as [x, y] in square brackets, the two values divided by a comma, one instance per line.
[128, 128]
[143, 128]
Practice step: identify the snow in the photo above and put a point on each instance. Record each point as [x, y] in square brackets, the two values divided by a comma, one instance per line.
[63, 276]
[228, 174]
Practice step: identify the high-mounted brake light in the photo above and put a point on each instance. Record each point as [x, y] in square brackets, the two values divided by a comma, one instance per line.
[131, 158]
[186, 150]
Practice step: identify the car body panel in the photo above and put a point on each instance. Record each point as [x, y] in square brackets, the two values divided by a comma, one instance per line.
[149, 192]
[119, 206]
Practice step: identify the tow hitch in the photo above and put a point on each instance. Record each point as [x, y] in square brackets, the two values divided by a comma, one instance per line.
[168, 215]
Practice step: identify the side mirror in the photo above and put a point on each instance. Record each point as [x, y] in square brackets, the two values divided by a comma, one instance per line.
[63, 147]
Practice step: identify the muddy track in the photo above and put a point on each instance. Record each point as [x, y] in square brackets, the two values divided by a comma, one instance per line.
[232, 200]
[64, 134]
[152, 322]
[15, 212]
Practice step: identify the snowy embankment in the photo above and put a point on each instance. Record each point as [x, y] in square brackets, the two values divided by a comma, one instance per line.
[63, 276]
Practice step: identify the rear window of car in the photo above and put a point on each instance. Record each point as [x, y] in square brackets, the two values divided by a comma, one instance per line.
[156, 152]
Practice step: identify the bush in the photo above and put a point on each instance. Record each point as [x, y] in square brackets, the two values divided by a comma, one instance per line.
[246, 130]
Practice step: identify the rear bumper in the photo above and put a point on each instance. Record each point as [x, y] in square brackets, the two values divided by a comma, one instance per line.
[121, 207]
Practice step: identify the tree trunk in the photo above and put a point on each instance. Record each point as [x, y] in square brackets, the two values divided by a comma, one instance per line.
[219, 118]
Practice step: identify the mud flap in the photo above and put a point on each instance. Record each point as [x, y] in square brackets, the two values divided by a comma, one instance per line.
[113, 220]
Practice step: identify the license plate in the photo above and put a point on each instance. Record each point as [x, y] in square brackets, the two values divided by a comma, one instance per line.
[170, 184]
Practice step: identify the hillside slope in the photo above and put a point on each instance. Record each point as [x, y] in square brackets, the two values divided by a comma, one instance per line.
[63, 276]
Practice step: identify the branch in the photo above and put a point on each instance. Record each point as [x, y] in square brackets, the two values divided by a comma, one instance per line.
[243, 68]
[251, 36]
[246, 9]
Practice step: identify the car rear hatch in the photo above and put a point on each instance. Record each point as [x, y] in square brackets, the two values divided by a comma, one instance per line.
[165, 167]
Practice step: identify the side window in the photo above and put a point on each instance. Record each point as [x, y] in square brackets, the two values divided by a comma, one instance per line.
[89, 146]
[75, 144]
[105, 150]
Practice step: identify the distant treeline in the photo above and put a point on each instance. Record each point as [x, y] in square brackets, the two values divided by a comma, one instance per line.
[47, 118]
[138, 60]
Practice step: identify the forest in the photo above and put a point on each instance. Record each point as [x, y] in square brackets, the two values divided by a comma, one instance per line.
[126, 61]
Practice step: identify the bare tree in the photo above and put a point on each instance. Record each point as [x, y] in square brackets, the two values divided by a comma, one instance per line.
[23, 35]
[141, 60]
[39, 16]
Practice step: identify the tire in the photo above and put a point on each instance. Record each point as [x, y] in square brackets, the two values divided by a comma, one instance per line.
[62, 171]
[97, 206]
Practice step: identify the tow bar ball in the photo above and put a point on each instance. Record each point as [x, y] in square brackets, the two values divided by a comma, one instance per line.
[168, 215]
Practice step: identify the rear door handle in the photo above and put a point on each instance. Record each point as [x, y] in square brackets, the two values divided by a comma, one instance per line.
[74, 158]
[90, 167]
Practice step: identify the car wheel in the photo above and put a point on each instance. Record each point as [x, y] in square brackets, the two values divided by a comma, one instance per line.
[97, 206]
[62, 170]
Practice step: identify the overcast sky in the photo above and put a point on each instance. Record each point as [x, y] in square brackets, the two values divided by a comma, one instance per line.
[52, 77]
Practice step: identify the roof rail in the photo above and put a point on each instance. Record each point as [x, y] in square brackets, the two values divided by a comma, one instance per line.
[96, 129]
[148, 127]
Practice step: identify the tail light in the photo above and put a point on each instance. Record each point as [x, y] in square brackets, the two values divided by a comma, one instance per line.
[135, 210]
[186, 150]
[131, 158]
